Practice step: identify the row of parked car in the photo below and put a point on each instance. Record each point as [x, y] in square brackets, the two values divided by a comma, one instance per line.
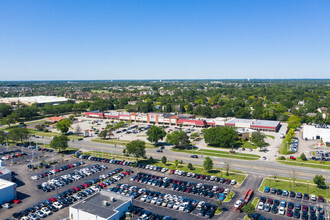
[147, 215]
[69, 178]
[290, 209]
[294, 144]
[178, 203]
[293, 194]
[203, 177]
[68, 197]
[56, 170]
[183, 186]
[9, 152]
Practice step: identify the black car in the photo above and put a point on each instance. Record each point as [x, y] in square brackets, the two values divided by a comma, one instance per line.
[194, 156]
[292, 194]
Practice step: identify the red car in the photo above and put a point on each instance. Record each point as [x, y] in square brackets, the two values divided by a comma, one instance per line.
[227, 181]
[172, 171]
[52, 199]
[17, 201]
[292, 158]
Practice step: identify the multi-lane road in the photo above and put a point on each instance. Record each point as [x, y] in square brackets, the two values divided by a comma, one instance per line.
[259, 167]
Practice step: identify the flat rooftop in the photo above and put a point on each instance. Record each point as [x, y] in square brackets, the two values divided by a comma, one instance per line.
[265, 123]
[5, 183]
[94, 204]
[35, 99]
[4, 170]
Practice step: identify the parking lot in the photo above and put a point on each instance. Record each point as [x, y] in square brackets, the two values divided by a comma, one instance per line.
[276, 204]
[23, 154]
[35, 195]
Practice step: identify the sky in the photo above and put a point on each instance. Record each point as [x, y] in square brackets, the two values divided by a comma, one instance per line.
[164, 39]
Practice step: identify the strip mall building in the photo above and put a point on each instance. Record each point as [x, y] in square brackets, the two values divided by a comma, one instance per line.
[186, 120]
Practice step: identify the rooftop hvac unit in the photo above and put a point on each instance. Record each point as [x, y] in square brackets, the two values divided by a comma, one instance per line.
[112, 199]
[105, 203]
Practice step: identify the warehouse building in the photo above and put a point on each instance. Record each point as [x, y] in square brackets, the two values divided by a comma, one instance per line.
[7, 191]
[315, 132]
[5, 174]
[187, 120]
[104, 205]
[29, 100]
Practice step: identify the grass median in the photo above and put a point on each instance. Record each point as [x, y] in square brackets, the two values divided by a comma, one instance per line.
[307, 163]
[118, 142]
[229, 197]
[216, 153]
[300, 185]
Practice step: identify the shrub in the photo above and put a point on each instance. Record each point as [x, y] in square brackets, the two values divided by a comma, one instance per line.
[281, 158]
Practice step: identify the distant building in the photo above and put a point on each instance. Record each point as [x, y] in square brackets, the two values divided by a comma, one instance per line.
[104, 205]
[314, 132]
[186, 120]
[29, 100]
[54, 119]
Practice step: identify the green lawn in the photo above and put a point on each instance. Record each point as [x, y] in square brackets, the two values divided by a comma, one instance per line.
[229, 197]
[118, 142]
[216, 153]
[52, 134]
[248, 145]
[284, 149]
[255, 202]
[299, 186]
[308, 163]
[270, 136]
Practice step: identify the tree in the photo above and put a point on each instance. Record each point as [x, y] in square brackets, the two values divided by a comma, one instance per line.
[190, 166]
[227, 167]
[164, 160]
[303, 156]
[5, 110]
[155, 134]
[319, 181]
[64, 125]
[18, 134]
[258, 139]
[103, 134]
[60, 142]
[208, 164]
[219, 204]
[77, 130]
[248, 209]
[136, 148]
[221, 136]
[10, 119]
[178, 138]
[2, 136]
[176, 162]
[294, 122]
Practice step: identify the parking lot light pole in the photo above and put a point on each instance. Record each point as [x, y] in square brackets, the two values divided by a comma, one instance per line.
[307, 186]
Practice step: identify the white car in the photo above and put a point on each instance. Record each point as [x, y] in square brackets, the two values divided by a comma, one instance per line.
[29, 218]
[46, 211]
[261, 206]
[313, 197]
[143, 198]
[57, 205]
[233, 182]
[182, 206]
[7, 206]
[281, 211]
[154, 200]
[40, 214]
[200, 204]
[176, 205]
[238, 203]
[34, 177]
[32, 216]
[226, 191]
